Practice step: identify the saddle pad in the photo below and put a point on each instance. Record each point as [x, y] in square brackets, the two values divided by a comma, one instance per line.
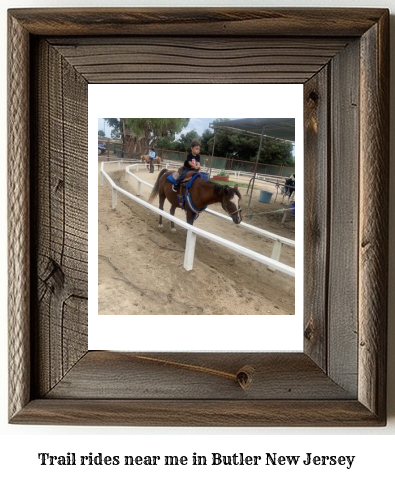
[170, 178]
[188, 184]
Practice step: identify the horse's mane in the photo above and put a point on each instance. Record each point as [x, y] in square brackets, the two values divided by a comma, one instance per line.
[221, 190]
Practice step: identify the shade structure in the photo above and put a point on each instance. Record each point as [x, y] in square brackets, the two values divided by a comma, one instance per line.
[282, 129]
[278, 128]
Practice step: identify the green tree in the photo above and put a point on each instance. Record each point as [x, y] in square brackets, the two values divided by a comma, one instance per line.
[223, 144]
[185, 140]
[140, 134]
[116, 127]
[275, 151]
[101, 133]
[243, 147]
[168, 143]
[207, 140]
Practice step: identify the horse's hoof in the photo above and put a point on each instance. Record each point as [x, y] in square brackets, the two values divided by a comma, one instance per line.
[160, 226]
[173, 230]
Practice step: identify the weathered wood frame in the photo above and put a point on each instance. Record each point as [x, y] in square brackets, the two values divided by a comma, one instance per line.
[340, 378]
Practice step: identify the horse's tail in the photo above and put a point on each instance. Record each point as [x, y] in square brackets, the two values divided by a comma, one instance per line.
[155, 191]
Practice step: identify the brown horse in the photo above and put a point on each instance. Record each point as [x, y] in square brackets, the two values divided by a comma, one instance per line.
[202, 194]
[145, 158]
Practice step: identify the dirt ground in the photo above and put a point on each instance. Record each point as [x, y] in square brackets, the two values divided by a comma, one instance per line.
[141, 266]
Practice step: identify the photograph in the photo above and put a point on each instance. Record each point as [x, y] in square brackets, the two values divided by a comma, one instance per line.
[233, 180]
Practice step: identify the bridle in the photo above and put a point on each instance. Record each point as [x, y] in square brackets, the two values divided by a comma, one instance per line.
[230, 213]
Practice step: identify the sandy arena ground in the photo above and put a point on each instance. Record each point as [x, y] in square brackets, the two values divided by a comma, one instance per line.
[141, 267]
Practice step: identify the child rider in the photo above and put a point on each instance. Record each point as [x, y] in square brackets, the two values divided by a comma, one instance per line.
[191, 163]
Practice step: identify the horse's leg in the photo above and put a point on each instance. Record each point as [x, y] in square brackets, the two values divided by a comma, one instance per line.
[172, 211]
[190, 216]
[162, 198]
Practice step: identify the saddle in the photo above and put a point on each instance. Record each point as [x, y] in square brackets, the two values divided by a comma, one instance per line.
[188, 176]
[183, 196]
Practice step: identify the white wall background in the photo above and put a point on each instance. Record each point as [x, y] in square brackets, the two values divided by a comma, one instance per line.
[20, 444]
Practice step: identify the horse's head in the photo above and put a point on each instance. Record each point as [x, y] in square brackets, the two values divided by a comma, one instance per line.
[231, 203]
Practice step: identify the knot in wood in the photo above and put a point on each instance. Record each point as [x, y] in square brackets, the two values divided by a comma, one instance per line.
[308, 331]
[244, 376]
[313, 96]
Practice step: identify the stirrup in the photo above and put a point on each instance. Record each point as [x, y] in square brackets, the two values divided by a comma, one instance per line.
[174, 188]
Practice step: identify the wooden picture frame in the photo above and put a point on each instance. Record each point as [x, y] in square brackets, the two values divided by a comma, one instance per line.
[342, 58]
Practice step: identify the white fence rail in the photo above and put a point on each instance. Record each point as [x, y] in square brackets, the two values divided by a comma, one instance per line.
[278, 240]
[193, 231]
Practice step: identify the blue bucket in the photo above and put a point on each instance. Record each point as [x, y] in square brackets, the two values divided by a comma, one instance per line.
[205, 176]
[292, 209]
[265, 196]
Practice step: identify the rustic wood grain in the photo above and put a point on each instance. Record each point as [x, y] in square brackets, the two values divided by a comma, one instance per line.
[61, 216]
[254, 22]
[147, 59]
[185, 376]
[201, 413]
[373, 227]
[344, 216]
[348, 308]
[316, 211]
[18, 211]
